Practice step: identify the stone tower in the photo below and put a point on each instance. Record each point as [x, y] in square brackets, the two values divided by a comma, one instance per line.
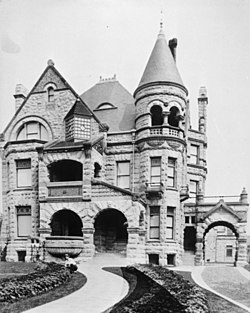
[160, 101]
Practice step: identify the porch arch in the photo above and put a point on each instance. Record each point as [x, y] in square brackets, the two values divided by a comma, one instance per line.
[66, 223]
[110, 233]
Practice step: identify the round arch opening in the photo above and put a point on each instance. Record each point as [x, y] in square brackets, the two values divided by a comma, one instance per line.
[111, 232]
[220, 244]
[66, 223]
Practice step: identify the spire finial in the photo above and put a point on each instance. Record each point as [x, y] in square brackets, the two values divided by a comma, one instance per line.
[161, 20]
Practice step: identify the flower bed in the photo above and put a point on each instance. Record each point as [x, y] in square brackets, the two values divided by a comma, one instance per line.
[24, 286]
[188, 295]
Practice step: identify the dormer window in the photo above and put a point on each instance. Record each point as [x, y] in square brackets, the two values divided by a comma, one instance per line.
[78, 122]
[105, 106]
[50, 94]
[32, 130]
[156, 115]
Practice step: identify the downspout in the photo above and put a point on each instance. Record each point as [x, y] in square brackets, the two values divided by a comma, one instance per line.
[133, 159]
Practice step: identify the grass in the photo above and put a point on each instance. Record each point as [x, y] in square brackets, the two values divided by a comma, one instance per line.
[238, 289]
[137, 288]
[12, 269]
[216, 303]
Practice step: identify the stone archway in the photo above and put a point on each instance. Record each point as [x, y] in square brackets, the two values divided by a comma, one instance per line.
[110, 231]
[66, 223]
[220, 243]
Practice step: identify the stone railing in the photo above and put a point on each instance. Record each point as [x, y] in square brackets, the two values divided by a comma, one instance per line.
[166, 130]
[65, 189]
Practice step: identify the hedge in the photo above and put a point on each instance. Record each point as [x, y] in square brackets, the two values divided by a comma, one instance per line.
[190, 296]
[45, 278]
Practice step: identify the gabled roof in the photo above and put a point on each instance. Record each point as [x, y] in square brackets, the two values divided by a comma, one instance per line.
[79, 108]
[121, 115]
[161, 66]
[49, 74]
[221, 205]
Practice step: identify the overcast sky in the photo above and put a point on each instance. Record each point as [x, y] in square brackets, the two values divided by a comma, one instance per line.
[87, 39]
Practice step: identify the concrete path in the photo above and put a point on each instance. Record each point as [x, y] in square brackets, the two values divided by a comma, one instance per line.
[101, 291]
[229, 275]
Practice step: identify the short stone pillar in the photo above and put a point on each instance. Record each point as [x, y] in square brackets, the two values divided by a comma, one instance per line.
[133, 242]
[88, 241]
[199, 252]
[242, 252]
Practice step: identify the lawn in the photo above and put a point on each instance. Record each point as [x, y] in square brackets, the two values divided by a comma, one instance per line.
[9, 269]
[238, 289]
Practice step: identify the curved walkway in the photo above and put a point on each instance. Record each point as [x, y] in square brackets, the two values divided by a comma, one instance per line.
[240, 274]
[101, 291]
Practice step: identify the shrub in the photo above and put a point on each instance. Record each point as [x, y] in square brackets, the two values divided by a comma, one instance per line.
[191, 297]
[24, 286]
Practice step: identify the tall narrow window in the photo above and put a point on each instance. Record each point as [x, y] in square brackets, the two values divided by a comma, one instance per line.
[194, 154]
[229, 251]
[156, 114]
[154, 224]
[23, 172]
[170, 222]
[50, 94]
[155, 175]
[123, 174]
[193, 188]
[23, 221]
[171, 182]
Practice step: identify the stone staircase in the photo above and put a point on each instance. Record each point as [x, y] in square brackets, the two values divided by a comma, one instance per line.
[188, 257]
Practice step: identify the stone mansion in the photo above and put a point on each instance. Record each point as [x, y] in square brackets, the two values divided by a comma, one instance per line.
[107, 171]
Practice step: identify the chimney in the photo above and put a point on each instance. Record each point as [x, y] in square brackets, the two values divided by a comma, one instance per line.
[172, 45]
[20, 95]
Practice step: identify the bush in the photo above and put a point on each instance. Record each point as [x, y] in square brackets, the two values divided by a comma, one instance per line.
[191, 297]
[46, 278]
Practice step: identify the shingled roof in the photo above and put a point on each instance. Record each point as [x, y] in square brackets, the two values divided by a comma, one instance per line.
[161, 66]
[121, 114]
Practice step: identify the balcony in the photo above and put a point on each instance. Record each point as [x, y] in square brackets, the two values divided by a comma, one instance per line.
[154, 191]
[64, 189]
[58, 246]
[167, 131]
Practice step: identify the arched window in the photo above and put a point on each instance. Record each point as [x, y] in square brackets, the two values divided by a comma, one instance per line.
[173, 118]
[50, 94]
[157, 116]
[32, 130]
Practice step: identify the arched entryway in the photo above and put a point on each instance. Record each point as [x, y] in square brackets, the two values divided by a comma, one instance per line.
[220, 244]
[111, 231]
[66, 223]
[189, 245]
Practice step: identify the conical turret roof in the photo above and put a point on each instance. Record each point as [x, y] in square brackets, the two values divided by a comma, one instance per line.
[161, 66]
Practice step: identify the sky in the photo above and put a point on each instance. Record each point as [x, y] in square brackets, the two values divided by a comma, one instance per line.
[91, 38]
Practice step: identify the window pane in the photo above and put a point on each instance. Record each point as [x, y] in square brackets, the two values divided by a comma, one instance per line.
[44, 133]
[32, 127]
[123, 168]
[171, 171]
[156, 180]
[154, 233]
[170, 221]
[23, 177]
[123, 181]
[154, 220]
[156, 161]
[23, 225]
[169, 233]
[170, 182]
[21, 134]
